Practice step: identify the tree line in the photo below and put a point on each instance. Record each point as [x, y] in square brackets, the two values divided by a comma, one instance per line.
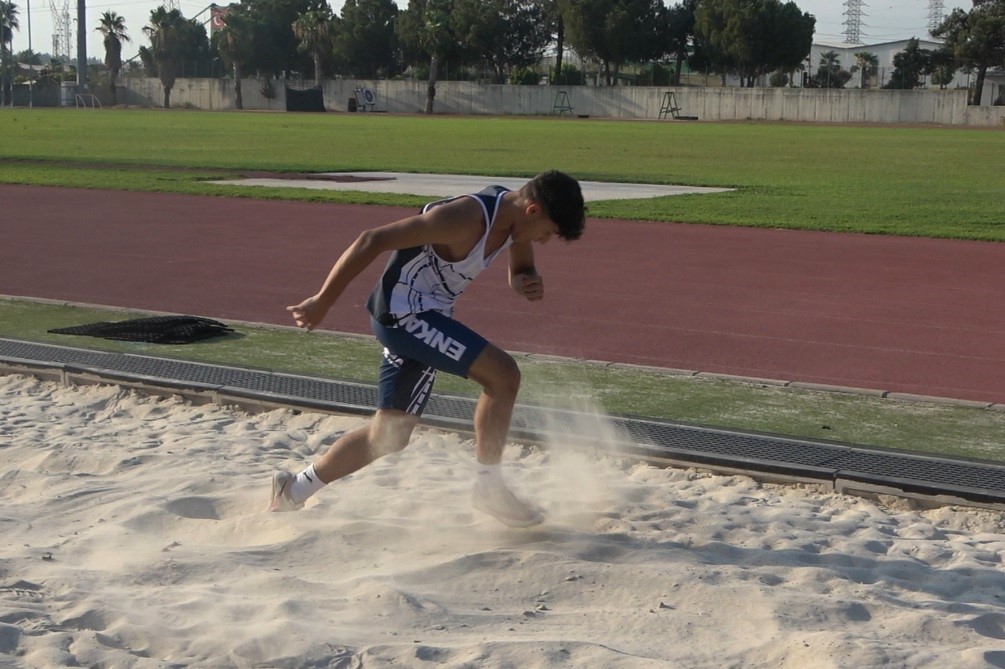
[372, 39]
[505, 38]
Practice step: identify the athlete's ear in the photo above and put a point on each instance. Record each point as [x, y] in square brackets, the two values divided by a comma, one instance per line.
[532, 209]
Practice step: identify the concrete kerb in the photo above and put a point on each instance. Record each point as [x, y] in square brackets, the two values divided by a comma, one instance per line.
[247, 399]
[744, 379]
[847, 390]
[253, 403]
[928, 399]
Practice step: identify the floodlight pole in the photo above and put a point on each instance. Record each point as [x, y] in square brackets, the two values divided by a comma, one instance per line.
[31, 75]
[81, 46]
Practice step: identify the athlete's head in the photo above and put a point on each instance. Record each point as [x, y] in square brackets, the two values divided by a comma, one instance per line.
[562, 199]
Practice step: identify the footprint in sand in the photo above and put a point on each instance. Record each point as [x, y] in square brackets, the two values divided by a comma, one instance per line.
[193, 508]
[990, 625]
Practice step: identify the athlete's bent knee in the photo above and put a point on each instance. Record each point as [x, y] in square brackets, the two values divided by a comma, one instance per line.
[390, 432]
[497, 372]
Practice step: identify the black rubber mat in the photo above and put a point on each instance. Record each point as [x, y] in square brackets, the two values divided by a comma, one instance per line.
[971, 481]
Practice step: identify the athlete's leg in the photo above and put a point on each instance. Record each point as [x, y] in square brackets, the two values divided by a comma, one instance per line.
[499, 377]
[404, 388]
[498, 374]
[388, 432]
[426, 343]
[447, 345]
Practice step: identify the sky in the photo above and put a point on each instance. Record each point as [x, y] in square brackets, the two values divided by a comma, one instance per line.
[882, 20]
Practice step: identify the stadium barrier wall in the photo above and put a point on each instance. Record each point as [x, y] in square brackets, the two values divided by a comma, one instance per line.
[947, 107]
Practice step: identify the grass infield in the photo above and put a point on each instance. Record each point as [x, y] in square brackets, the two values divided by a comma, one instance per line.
[934, 182]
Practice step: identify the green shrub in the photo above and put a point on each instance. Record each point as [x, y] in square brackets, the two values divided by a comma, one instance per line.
[524, 76]
[569, 76]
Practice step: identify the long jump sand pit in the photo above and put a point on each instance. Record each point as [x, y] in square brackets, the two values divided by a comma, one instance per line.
[134, 536]
[446, 185]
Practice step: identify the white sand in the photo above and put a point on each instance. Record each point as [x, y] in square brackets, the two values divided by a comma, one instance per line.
[133, 536]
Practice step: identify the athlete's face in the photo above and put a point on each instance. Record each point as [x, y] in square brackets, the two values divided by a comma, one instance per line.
[548, 230]
[538, 226]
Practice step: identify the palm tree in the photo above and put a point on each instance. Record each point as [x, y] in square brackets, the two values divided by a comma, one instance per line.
[553, 10]
[424, 30]
[236, 45]
[113, 27]
[828, 74]
[435, 34]
[830, 60]
[164, 32]
[316, 31]
[868, 63]
[8, 24]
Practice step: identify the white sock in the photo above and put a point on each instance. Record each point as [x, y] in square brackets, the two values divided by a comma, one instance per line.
[305, 485]
[489, 474]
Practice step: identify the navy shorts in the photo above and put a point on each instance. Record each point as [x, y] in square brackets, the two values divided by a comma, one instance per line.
[414, 349]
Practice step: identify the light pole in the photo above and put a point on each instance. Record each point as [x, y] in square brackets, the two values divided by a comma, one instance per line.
[31, 66]
[81, 47]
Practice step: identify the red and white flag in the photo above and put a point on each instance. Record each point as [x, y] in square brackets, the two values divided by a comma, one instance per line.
[218, 18]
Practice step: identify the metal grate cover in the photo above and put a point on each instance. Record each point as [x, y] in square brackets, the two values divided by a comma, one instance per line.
[978, 482]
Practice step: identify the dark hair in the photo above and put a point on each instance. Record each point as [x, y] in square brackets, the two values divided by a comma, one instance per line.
[562, 199]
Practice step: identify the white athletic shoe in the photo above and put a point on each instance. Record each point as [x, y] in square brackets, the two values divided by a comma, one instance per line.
[281, 500]
[498, 502]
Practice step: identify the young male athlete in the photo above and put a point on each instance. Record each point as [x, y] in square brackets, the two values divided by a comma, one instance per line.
[434, 256]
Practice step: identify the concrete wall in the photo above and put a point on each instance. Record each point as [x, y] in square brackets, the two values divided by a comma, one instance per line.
[41, 94]
[947, 107]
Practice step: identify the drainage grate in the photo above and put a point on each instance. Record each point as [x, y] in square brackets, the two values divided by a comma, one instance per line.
[977, 482]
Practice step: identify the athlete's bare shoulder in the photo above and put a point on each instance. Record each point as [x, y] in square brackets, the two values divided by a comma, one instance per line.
[457, 226]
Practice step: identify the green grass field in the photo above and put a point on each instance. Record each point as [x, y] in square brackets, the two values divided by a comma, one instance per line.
[932, 182]
[909, 181]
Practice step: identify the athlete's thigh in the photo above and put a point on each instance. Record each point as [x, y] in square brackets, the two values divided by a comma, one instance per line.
[496, 370]
[404, 385]
[435, 340]
[413, 353]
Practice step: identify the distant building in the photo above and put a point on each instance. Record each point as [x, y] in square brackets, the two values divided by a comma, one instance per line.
[994, 88]
[884, 52]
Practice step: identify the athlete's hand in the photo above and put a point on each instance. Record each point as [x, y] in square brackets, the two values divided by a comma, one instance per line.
[309, 313]
[528, 284]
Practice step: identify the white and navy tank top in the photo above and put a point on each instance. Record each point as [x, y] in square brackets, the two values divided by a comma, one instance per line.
[417, 279]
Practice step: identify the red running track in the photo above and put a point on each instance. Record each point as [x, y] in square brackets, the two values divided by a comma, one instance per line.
[888, 313]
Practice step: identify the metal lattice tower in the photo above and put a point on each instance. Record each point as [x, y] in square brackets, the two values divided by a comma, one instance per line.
[936, 14]
[853, 21]
[172, 4]
[62, 36]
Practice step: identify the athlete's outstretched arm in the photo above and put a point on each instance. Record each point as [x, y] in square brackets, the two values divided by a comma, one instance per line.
[448, 224]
